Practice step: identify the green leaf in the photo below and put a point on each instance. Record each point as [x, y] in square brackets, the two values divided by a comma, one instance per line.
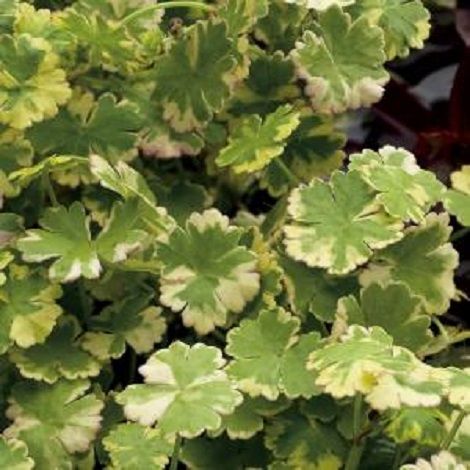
[298, 442]
[207, 454]
[312, 290]
[241, 15]
[248, 418]
[457, 200]
[59, 356]
[338, 77]
[192, 79]
[423, 260]
[15, 150]
[405, 23]
[106, 126]
[185, 391]
[65, 235]
[55, 421]
[7, 17]
[14, 455]
[313, 150]
[135, 447]
[424, 426]
[390, 377]
[28, 309]
[130, 320]
[128, 183]
[207, 285]
[24, 176]
[11, 226]
[32, 85]
[270, 357]
[444, 460]
[406, 191]
[391, 307]
[459, 388]
[461, 444]
[254, 143]
[336, 225]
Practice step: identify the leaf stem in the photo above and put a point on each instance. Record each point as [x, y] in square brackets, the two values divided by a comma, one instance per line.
[447, 441]
[357, 448]
[47, 184]
[165, 5]
[460, 234]
[283, 167]
[176, 453]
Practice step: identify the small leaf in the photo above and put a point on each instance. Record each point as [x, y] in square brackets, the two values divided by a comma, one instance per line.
[254, 143]
[65, 235]
[28, 308]
[135, 447]
[185, 391]
[457, 200]
[337, 225]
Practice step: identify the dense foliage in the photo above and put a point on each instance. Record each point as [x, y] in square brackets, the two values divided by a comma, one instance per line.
[193, 270]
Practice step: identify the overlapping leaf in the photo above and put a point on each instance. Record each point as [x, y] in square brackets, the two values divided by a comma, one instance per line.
[185, 391]
[391, 307]
[14, 455]
[406, 191]
[206, 272]
[424, 260]
[444, 460]
[336, 225]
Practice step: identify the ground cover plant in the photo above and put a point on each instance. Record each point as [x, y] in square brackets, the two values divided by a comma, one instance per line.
[198, 270]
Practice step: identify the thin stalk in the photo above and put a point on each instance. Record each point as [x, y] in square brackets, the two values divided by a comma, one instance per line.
[283, 167]
[47, 184]
[460, 234]
[165, 5]
[176, 453]
[447, 441]
[397, 459]
[357, 448]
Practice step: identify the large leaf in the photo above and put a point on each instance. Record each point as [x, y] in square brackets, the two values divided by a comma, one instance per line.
[424, 260]
[391, 307]
[207, 284]
[28, 309]
[270, 357]
[32, 85]
[404, 189]
[336, 225]
[185, 391]
[55, 421]
[254, 143]
[192, 79]
[337, 76]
